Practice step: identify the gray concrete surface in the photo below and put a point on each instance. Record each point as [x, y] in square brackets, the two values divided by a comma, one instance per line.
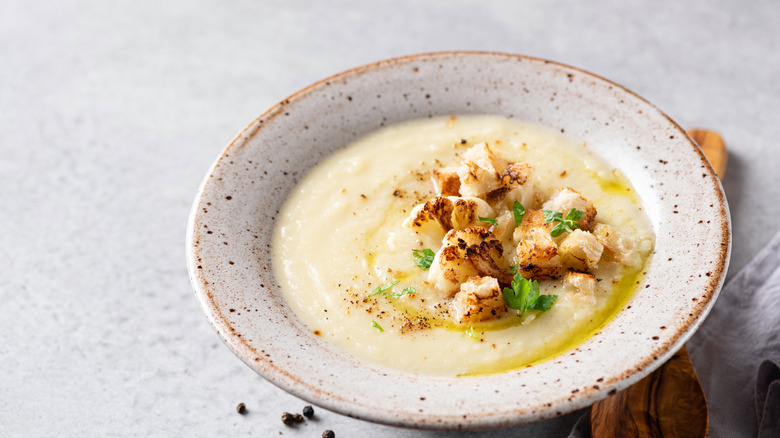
[111, 113]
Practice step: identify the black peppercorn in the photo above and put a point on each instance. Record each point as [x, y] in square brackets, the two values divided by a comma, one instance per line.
[241, 408]
[298, 418]
[328, 434]
[287, 418]
[308, 411]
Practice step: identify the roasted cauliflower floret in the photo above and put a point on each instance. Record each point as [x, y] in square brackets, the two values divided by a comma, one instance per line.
[480, 171]
[505, 196]
[580, 250]
[478, 299]
[537, 253]
[516, 174]
[466, 211]
[434, 215]
[505, 226]
[566, 199]
[584, 285]
[470, 252]
[443, 214]
[449, 269]
[617, 246]
[446, 181]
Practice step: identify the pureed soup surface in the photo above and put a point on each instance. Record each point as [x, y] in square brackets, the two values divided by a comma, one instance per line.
[340, 236]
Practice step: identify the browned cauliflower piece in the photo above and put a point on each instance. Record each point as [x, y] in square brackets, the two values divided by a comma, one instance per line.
[505, 197]
[480, 171]
[446, 181]
[466, 211]
[449, 269]
[470, 252]
[478, 299]
[580, 250]
[537, 253]
[505, 226]
[434, 215]
[516, 174]
[566, 199]
[444, 214]
[617, 246]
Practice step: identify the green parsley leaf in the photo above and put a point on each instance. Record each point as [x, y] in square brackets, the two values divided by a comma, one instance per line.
[516, 297]
[552, 216]
[564, 224]
[377, 326]
[423, 258]
[518, 211]
[574, 215]
[544, 302]
[471, 333]
[383, 288]
[524, 295]
[558, 229]
[489, 220]
[407, 291]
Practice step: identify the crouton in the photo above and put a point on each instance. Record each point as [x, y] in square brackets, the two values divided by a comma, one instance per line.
[580, 250]
[478, 299]
[537, 253]
[566, 199]
[446, 181]
[617, 246]
[480, 171]
[584, 285]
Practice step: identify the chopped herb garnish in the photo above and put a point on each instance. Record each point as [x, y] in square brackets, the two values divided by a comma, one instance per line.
[423, 258]
[569, 223]
[407, 291]
[471, 333]
[377, 326]
[524, 295]
[489, 220]
[383, 288]
[518, 211]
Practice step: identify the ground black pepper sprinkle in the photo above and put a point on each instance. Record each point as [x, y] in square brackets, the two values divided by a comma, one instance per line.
[241, 408]
[287, 418]
[328, 434]
[308, 411]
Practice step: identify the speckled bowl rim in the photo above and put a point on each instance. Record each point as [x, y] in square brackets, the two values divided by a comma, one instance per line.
[406, 409]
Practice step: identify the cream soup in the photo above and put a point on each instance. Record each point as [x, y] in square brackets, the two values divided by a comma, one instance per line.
[340, 236]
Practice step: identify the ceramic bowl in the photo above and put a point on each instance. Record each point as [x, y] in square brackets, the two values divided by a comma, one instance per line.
[232, 222]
